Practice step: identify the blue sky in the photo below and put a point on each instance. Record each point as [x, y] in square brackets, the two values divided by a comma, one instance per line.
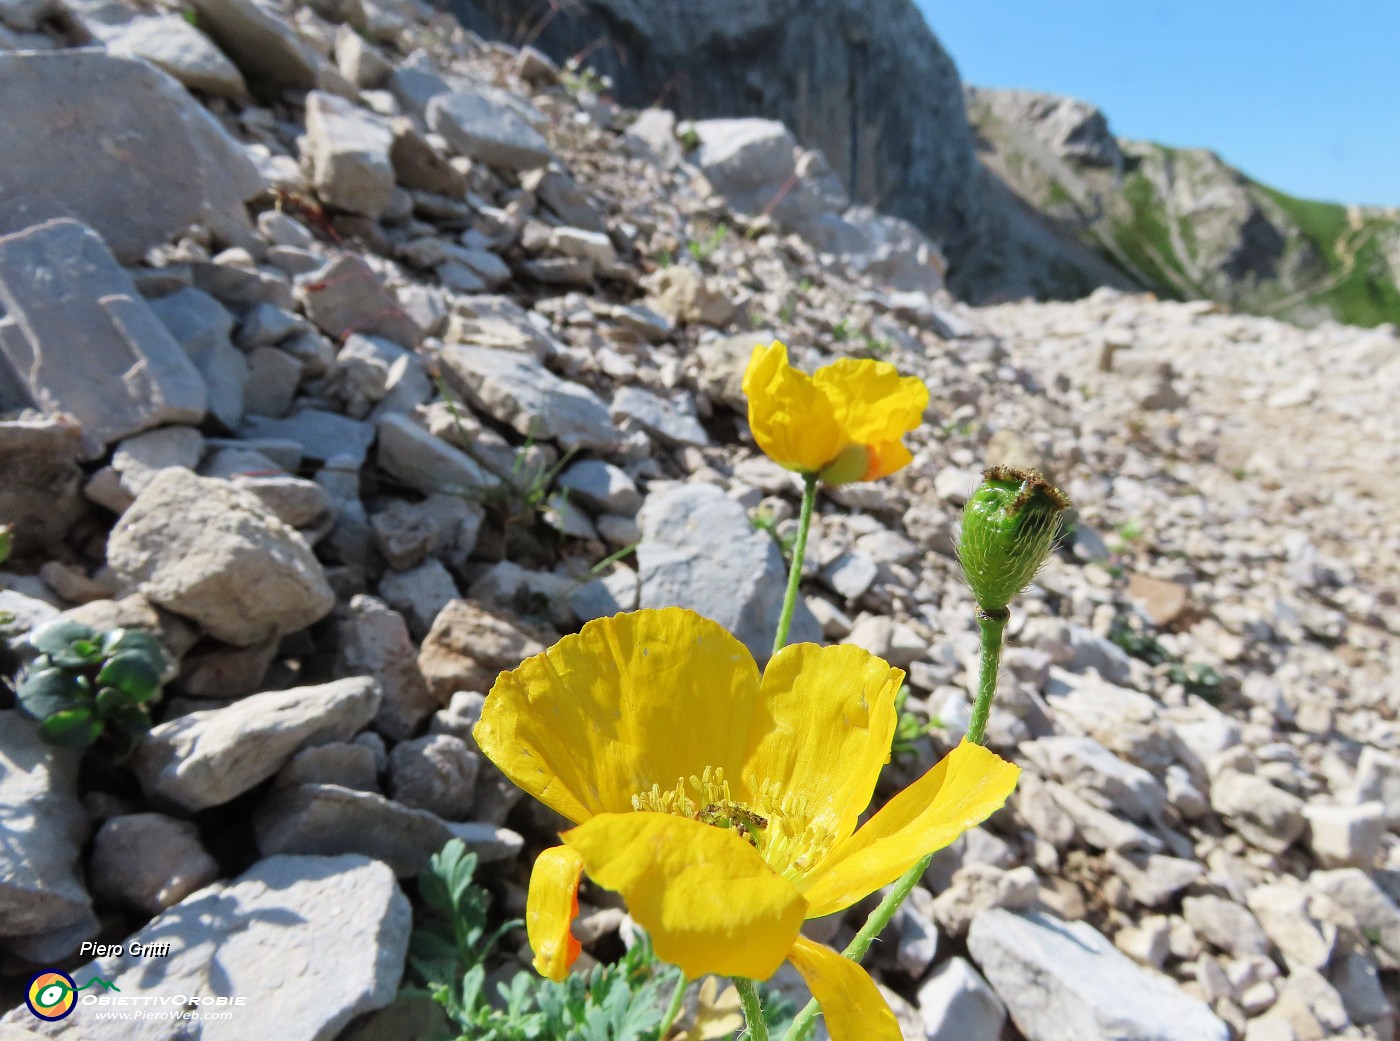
[1303, 95]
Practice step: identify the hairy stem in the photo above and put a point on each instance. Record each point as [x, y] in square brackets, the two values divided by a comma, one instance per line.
[753, 1009]
[674, 1008]
[799, 550]
[992, 626]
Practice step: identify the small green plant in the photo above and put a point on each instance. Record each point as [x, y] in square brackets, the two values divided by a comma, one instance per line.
[83, 685]
[876, 348]
[7, 541]
[451, 942]
[665, 258]
[908, 728]
[579, 78]
[1128, 532]
[702, 249]
[841, 331]
[689, 138]
[1199, 680]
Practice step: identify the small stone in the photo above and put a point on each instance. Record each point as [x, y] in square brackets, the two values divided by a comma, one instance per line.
[850, 575]
[956, 1004]
[175, 46]
[345, 296]
[436, 773]
[323, 820]
[273, 377]
[147, 861]
[207, 758]
[482, 122]
[321, 435]
[1346, 836]
[345, 764]
[470, 644]
[673, 421]
[977, 887]
[426, 462]
[1163, 602]
[685, 297]
[601, 487]
[1226, 925]
[1267, 817]
[209, 551]
[374, 641]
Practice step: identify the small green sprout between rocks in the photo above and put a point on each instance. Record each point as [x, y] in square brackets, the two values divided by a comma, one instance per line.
[83, 684]
[1008, 529]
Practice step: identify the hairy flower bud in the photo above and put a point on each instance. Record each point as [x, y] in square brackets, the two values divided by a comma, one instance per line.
[1008, 528]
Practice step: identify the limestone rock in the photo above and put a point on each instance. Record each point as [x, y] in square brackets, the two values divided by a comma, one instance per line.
[484, 123]
[1062, 981]
[956, 1004]
[40, 493]
[337, 925]
[374, 642]
[126, 151]
[207, 758]
[175, 46]
[147, 861]
[349, 150]
[699, 551]
[78, 338]
[519, 391]
[265, 47]
[436, 773]
[215, 554]
[470, 644]
[324, 819]
[41, 887]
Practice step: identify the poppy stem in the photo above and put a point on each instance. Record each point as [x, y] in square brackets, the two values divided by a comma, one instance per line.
[753, 1009]
[993, 626]
[673, 1009]
[799, 551]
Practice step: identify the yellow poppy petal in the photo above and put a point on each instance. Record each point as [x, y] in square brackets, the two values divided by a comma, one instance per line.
[852, 1005]
[630, 701]
[966, 788]
[873, 402]
[825, 720]
[792, 420]
[550, 909]
[704, 894]
[885, 457]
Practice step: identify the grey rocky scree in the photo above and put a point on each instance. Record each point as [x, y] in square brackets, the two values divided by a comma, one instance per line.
[453, 364]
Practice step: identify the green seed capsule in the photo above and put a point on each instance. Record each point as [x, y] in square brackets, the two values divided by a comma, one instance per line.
[1008, 529]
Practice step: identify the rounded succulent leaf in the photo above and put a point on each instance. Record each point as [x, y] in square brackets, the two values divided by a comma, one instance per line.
[133, 674]
[130, 719]
[71, 728]
[123, 641]
[55, 637]
[46, 691]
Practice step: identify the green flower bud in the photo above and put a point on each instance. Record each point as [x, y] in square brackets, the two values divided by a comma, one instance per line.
[1009, 526]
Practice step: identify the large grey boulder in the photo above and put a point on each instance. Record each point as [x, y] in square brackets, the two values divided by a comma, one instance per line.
[1064, 981]
[42, 830]
[76, 337]
[212, 552]
[207, 758]
[517, 390]
[125, 149]
[698, 550]
[309, 943]
[485, 123]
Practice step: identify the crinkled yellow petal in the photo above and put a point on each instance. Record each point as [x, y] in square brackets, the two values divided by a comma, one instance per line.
[792, 420]
[852, 1005]
[873, 402]
[962, 791]
[825, 719]
[630, 701]
[550, 909]
[885, 457]
[704, 894]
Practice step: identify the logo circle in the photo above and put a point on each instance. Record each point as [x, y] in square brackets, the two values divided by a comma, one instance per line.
[51, 995]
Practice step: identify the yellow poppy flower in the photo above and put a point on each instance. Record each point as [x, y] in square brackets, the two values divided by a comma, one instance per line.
[723, 804]
[843, 423]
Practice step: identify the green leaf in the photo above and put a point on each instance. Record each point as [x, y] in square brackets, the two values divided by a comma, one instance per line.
[133, 674]
[52, 638]
[120, 641]
[71, 728]
[48, 691]
[129, 719]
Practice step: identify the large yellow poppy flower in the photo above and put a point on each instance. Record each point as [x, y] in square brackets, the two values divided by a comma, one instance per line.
[843, 423]
[723, 805]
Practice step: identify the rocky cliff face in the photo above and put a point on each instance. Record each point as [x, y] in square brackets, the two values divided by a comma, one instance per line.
[1183, 221]
[864, 81]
